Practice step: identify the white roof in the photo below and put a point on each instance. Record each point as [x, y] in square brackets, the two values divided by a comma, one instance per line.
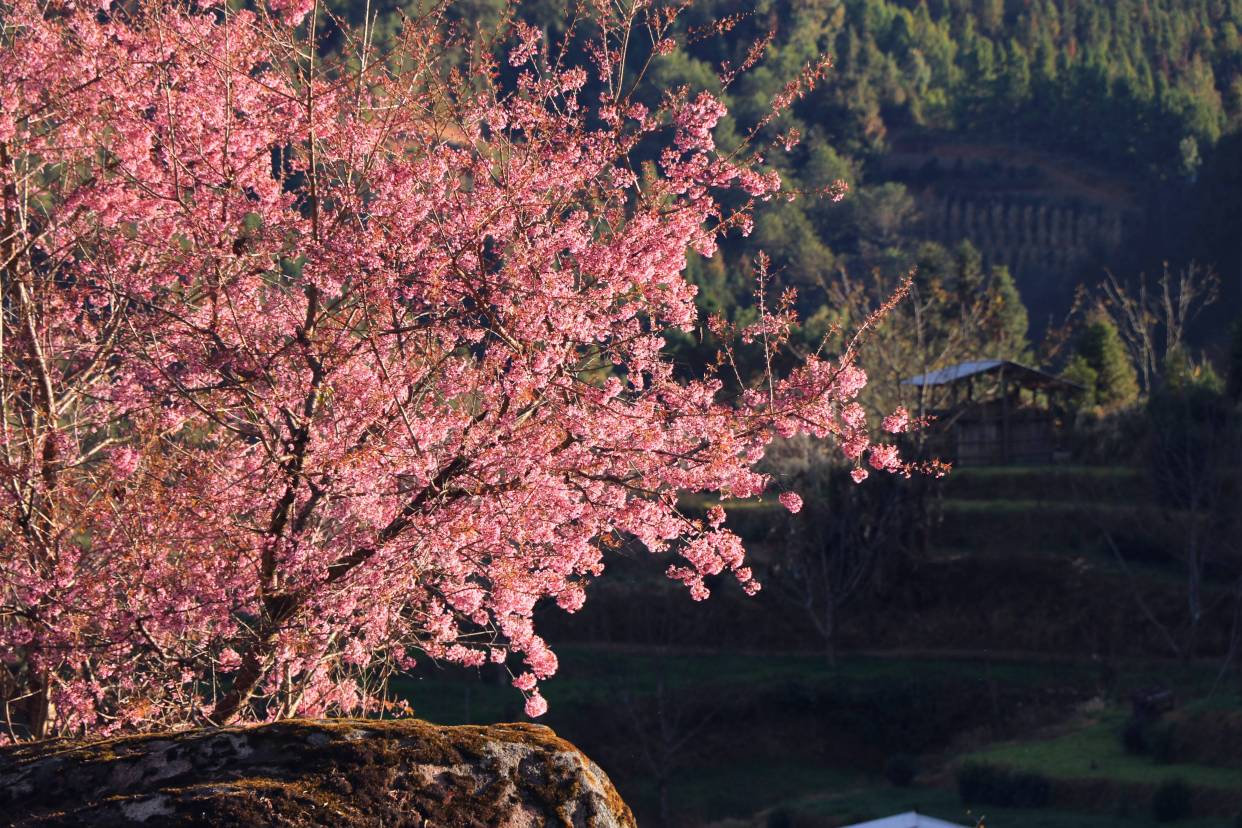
[1017, 371]
[954, 372]
[910, 819]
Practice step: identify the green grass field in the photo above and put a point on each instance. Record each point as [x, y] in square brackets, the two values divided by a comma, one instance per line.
[1095, 752]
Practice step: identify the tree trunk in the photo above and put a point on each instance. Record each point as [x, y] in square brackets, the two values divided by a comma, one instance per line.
[38, 705]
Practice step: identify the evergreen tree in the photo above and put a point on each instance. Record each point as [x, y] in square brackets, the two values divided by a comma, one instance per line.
[1080, 373]
[1100, 346]
[1012, 322]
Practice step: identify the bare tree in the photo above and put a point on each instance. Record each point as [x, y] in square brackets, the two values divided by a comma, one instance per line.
[659, 719]
[833, 548]
[934, 328]
[1193, 451]
[1153, 322]
[664, 722]
[1192, 447]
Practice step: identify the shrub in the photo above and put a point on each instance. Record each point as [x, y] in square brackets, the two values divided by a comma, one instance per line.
[900, 769]
[1171, 801]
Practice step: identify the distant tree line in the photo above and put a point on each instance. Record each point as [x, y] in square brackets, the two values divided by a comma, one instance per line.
[1151, 89]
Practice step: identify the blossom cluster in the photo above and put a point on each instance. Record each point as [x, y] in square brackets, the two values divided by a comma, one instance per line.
[317, 372]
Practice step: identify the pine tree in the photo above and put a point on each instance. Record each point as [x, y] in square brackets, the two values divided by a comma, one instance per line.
[1101, 347]
[1080, 373]
[1012, 321]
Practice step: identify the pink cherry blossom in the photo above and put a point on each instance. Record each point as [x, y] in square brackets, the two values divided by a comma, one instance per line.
[897, 422]
[884, 458]
[228, 660]
[317, 372]
[791, 501]
[528, 44]
[536, 706]
[125, 461]
[292, 12]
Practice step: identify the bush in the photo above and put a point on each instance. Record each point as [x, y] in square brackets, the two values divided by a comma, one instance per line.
[979, 784]
[900, 769]
[1171, 801]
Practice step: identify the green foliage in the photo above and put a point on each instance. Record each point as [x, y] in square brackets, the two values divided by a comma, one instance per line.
[1171, 801]
[1080, 372]
[797, 252]
[1011, 319]
[1181, 372]
[1135, 83]
[880, 216]
[1100, 347]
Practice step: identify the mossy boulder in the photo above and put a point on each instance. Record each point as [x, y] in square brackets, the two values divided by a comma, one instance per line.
[348, 772]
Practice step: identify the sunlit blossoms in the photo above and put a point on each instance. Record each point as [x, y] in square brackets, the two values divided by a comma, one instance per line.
[310, 368]
[897, 422]
[791, 501]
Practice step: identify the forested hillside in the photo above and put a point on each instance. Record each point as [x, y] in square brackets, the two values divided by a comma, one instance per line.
[1058, 137]
[1054, 137]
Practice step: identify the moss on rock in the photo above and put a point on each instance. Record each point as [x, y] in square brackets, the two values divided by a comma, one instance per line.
[346, 772]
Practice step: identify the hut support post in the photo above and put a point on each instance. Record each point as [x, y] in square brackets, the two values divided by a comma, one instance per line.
[1004, 417]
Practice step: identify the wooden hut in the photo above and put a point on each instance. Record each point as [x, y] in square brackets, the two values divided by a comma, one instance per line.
[994, 412]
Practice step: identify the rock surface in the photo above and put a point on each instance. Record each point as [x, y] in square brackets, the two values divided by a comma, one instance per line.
[348, 772]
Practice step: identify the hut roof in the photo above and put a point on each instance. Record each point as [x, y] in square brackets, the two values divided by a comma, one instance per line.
[910, 819]
[1021, 374]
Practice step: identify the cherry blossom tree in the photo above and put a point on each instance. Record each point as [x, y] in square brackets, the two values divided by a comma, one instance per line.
[309, 367]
